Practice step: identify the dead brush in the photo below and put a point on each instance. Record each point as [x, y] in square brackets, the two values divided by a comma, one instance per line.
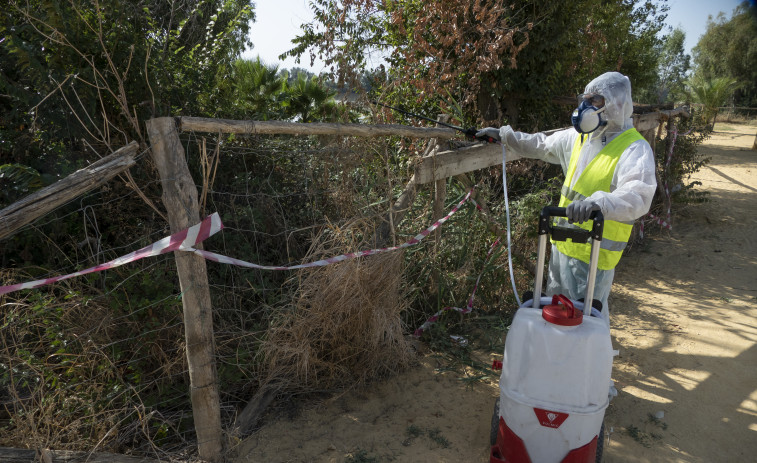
[68, 371]
[343, 326]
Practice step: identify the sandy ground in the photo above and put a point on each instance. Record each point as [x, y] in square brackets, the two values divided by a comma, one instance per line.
[684, 318]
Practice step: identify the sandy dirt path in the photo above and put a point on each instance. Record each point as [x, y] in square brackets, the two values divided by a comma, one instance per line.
[685, 321]
[684, 318]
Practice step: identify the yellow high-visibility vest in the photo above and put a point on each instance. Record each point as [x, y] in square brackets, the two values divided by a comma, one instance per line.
[596, 177]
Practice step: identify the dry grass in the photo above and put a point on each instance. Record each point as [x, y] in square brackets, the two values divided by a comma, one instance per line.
[68, 371]
[743, 117]
[344, 324]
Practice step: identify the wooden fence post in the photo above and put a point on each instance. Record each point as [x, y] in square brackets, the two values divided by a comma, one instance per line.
[180, 200]
[440, 187]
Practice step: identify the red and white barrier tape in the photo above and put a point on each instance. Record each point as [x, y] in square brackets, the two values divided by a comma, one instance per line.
[665, 222]
[332, 260]
[186, 239]
[468, 308]
[181, 241]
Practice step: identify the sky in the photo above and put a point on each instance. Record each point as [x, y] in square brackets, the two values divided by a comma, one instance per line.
[691, 16]
[278, 22]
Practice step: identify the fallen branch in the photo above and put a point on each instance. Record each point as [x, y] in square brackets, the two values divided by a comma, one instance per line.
[47, 199]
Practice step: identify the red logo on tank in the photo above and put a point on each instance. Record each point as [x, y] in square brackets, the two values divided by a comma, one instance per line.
[549, 418]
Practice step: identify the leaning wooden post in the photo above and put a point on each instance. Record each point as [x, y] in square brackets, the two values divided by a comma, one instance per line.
[180, 200]
[440, 188]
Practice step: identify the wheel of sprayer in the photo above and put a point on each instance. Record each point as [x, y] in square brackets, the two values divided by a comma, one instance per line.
[495, 423]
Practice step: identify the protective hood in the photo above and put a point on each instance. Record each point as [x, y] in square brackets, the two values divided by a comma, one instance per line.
[616, 89]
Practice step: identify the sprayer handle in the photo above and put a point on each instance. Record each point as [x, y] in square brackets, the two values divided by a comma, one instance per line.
[545, 225]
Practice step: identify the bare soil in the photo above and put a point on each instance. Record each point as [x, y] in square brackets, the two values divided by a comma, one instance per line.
[684, 318]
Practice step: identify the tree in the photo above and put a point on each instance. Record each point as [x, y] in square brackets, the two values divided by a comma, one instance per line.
[712, 93]
[95, 69]
[430, 45]
[672, 69]
[573, 43]
[308, 100]
[495, 58]
[257, 90]
[729, 49]
[81, 73]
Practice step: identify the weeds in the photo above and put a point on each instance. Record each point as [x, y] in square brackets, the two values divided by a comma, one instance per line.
[361, 456]
[647, 438]
[644, 438]
[414, 431]
[435, 435]
[657, 421]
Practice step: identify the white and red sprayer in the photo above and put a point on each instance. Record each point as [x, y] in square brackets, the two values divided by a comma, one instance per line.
[556, 369]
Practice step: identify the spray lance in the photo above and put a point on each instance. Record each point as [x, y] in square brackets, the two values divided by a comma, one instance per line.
[469, 132]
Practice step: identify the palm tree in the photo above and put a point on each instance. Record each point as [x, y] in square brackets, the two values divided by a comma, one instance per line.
[309, 100]
[258, 89]
[712, 93]
[16, 181]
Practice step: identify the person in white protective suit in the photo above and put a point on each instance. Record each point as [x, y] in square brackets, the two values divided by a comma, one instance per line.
[608, 167]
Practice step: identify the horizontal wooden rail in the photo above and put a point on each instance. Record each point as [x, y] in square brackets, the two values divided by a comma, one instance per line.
[665, 115]
[201, 124]
[459, 161]
[45, 200]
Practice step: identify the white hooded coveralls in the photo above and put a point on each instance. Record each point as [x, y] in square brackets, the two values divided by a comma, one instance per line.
[633, 184]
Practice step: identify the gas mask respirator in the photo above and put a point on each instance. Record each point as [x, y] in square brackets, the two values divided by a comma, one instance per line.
[587, 117]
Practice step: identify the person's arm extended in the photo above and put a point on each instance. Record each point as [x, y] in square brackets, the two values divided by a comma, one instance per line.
[554, 148]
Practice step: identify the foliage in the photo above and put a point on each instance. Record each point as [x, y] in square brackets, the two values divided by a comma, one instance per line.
[257, 91]
[672, 69]
[75, 373]
[572, 44]
[712, 94]
[429, 45]
[95, 69]
[16, 181]
[309, 100]
[495, 58]
[685, 161]
[728, 49]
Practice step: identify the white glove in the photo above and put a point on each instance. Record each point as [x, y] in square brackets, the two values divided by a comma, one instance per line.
[579, 211]
[487, 133]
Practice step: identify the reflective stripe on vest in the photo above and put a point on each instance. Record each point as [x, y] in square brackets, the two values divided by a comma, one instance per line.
[596, 177]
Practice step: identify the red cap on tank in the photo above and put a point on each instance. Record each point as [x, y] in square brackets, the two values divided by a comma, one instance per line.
[561, 312]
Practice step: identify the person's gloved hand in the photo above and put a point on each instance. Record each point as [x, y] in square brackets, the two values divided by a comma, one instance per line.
[579, 211]
[487, 133]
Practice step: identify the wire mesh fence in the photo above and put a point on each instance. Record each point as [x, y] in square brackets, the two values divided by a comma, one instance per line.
[94, 362]
[98, 362]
